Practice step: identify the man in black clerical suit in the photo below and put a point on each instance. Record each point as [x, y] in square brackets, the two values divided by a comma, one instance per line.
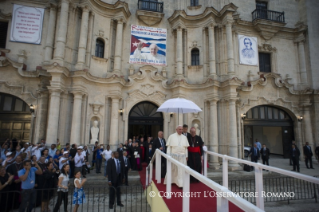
[115, 171]
[195, 152]
[127, 165]
[307, 151]
[160, 143]
[185, 129]
[294, 154]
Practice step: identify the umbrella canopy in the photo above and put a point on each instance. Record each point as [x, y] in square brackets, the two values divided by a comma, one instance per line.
[179, 105]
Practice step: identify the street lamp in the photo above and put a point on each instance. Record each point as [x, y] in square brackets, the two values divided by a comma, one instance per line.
[171, 114]
[300, 118]
[32, 108]
[243, 116]
[121, 112]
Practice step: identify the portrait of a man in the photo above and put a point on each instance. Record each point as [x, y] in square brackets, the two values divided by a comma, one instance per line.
[248, 51]
[153, 55]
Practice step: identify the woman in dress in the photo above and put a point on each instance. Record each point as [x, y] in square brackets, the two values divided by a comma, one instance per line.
[63, 188]
[5, 186]
[78, 195]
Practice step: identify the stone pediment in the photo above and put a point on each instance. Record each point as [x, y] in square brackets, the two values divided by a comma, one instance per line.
[266, 28]
[149, 18]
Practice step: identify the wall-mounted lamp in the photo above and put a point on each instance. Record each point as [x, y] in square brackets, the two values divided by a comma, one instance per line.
[32, 108]
[243, 116]
[121, 111]
[300, 118]
[171, 114]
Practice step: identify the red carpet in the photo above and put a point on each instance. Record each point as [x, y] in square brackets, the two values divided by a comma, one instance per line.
[204, 203]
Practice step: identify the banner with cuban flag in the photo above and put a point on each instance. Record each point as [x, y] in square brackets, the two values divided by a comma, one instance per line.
[148, 45]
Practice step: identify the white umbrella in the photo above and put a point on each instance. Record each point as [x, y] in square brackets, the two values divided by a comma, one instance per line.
[179, 105]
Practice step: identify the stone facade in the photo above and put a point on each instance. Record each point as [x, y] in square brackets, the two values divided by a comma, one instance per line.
[71, 88]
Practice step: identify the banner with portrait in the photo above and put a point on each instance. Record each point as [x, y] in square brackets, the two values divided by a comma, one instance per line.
[248, 50]
[148, 45]
[26, 24]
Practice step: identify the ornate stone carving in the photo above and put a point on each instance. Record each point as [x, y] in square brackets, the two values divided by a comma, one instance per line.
[267, 48]
[149, 18]
[147, 89]
[96, 107]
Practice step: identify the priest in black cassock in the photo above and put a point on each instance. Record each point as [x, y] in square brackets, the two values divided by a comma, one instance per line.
[195, 152]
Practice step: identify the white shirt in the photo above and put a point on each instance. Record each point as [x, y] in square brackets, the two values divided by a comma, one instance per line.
[107, 154]
[78, 160]
[79, 180]
[37, 151]
[60, 162]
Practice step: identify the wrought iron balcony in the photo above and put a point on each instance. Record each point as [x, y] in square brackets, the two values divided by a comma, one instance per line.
[268, 15]
[150, 5]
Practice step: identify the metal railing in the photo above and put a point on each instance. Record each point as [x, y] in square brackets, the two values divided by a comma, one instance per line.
[150, 6]
[97, 199]
[259, 181]
[222, 202]
[268, 15]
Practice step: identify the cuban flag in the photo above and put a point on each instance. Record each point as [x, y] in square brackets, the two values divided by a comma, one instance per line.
[148, 36]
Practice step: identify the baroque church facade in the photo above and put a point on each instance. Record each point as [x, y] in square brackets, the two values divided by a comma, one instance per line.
[80, 73]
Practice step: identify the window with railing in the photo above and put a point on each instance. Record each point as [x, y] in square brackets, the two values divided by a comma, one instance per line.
[151, 5]
[264, 62]
[99, 48]
[3, 34]
[195, 57]
[262, 12]
[194, 3]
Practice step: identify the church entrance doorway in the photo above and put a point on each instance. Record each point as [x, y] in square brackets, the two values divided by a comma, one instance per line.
[15, 118]
[271, 126]
[144, 121]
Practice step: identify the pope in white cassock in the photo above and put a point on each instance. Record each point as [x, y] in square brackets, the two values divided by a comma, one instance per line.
[153, 55]
[177, 148]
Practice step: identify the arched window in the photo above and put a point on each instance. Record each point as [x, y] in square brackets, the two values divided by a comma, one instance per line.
[195, 57]
[194, 3]
[99, 48]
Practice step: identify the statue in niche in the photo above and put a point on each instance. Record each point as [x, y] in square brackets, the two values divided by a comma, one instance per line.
[94, 132]
[197, 129]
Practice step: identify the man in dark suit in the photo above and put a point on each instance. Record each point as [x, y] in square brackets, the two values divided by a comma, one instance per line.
[195, 152]
[160, 143]
[185, 129]
[293, 143]
[254, 153]
[265, 154]
[295, 153]
[149, 153]
[127, 168]
[115, 171]
[120, 151]
[308, 155]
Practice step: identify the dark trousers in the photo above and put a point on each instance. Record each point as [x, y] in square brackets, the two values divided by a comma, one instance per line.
[93, 158]
[28, 195]
[126, 175]
[310, 161]
[72, 167]
[112, 194]
[98, 165]
[61, 196]
[265, 160]
[163, 167]
[254, 159]
[295, 163]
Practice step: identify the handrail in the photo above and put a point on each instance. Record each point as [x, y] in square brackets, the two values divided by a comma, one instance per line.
[222, 202]
[150, 5]
[268, 15]
[270, 168]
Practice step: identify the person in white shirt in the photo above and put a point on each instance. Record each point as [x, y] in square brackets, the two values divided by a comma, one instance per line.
[64, 159]
[107, 154]
[27, 149]
[52, 150]
[36, 150]
[79, 160]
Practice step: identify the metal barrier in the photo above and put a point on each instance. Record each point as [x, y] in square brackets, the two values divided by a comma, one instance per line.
[259, 181]
[222, 202]
[97, 199]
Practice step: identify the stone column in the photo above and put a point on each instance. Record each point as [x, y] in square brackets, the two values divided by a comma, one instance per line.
[83, 38]
[76, 119]
[41, 120]
[302, 62]
[307, 128]
[212, 62]
[50, 35]
[233, 146]
[62, 31]
[89, 41]
[118, 46]
[179, 52]
[230, 48]
[213, 134]
[114, 129]
[54, 111]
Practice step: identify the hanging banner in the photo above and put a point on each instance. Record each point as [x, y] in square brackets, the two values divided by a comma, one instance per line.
[148, 45]
[248, 50]
[26, 24]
